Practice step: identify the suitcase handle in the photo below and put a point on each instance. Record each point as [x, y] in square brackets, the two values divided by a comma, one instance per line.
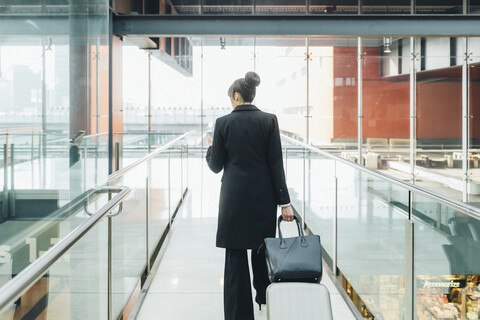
[300, 233]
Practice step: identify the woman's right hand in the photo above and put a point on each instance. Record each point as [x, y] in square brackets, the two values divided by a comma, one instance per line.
[287, 213]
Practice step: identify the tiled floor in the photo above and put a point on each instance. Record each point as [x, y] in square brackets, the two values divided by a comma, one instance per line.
[189, 281]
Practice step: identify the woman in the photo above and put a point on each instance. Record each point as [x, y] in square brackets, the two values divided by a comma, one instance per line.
[246, 145]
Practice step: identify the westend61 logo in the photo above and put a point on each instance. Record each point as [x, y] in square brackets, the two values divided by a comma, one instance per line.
[451, 284]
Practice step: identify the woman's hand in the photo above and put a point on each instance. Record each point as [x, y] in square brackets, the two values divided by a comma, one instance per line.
[209, 139]
[287, 213]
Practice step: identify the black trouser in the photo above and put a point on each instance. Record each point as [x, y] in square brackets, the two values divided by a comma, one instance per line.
[237, 292]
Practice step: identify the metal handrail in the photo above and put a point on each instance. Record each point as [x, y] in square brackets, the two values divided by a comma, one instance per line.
[152, 154]
[146, 133]
[460, 206]
[96, 135]
[27, 277]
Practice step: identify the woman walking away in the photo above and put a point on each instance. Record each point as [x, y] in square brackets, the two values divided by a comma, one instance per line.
[246, 145]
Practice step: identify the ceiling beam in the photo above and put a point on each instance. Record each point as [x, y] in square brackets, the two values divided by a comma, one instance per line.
[253, 25]
[303, 25]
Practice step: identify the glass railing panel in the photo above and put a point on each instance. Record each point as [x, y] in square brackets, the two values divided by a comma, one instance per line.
[94, 151]
[136, 145]
[24, 238]
[320, 200]
[175, 154]
[33, 155]
[129, 245]
[446, 261]
[75, 286]
[371, 244]
[158, 199]
[294, 175]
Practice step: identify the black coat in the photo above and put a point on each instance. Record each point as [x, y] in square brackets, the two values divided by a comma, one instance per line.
[246, 145]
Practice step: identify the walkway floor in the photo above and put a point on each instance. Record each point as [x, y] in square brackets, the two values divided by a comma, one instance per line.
[189, 280]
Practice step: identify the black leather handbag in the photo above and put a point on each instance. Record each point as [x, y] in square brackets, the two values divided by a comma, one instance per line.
[297, 259]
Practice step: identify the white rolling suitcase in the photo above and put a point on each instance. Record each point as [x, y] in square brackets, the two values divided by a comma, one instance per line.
[298, 300]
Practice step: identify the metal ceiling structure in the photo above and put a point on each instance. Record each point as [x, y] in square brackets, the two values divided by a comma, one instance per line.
[304, 25]
[256, 25]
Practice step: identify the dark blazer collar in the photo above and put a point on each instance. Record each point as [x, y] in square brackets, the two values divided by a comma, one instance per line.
[245, 107]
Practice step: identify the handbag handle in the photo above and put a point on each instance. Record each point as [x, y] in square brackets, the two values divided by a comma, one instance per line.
[300, 233]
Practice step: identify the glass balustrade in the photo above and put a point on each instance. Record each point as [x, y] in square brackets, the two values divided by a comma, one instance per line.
[105, 266]
[398, 251]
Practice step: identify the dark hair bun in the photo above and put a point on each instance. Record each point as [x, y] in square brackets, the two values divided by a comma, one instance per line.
[252, 79]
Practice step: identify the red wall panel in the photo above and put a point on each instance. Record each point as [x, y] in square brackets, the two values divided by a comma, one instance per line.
[386, 101]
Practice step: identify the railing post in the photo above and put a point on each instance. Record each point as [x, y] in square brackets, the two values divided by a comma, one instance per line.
[465, 122]
[181, 173]
[413, 109]
[147, 209]
[12, 180]
[360, 99]
[117, 156]
[5, 178]
[85, 168]
[32, 158]
[335, 227]
[187, 163]
[169, 194]
[409, 261]
[109, 275]
[304, 188]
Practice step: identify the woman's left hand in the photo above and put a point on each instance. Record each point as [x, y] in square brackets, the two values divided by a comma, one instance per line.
[209, 140]
[287, 214]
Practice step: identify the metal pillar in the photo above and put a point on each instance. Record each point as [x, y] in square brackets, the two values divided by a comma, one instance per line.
[308, 116]
[360, 99]
[149, 100]
[413, 109]
[335, 228]
[97, 89]
[465, 122]
[79, 56]
[110, 97]
[5, 179]
[44, 100]
[254, 54]
[201, 97]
